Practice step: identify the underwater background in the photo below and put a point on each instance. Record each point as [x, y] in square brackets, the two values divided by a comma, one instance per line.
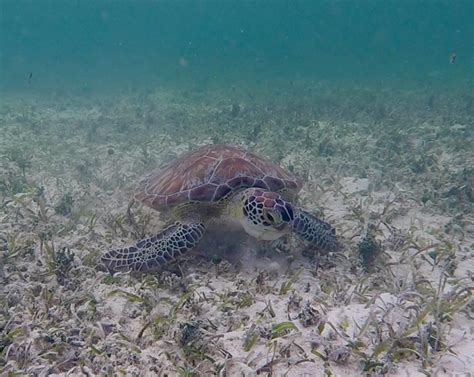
[94, 45]
[370, 103]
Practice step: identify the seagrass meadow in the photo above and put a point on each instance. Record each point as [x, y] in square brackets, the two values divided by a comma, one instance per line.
[392, 173]
[370, 103]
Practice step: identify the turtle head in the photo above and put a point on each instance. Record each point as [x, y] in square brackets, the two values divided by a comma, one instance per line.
[264, 215]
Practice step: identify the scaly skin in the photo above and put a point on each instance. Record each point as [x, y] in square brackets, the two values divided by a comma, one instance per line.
[271, 211]
[154, 252]
[316, 232]
[264, 215]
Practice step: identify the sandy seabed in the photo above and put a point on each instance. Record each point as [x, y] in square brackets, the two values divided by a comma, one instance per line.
[392, 171]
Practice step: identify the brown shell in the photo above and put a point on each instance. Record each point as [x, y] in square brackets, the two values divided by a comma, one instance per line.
[212, 173]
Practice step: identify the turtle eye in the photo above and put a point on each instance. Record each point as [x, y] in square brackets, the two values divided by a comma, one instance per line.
[273, 217]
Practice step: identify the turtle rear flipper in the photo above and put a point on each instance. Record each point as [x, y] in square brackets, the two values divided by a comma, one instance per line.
[154, 252]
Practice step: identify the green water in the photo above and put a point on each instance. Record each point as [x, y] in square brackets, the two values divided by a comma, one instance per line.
[97, 45]
[363, 100]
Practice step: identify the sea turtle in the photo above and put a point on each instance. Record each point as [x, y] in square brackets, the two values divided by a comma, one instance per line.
[219, 183]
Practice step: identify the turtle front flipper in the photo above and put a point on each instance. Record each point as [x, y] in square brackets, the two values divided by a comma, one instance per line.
[156, 251]
[315, 231]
